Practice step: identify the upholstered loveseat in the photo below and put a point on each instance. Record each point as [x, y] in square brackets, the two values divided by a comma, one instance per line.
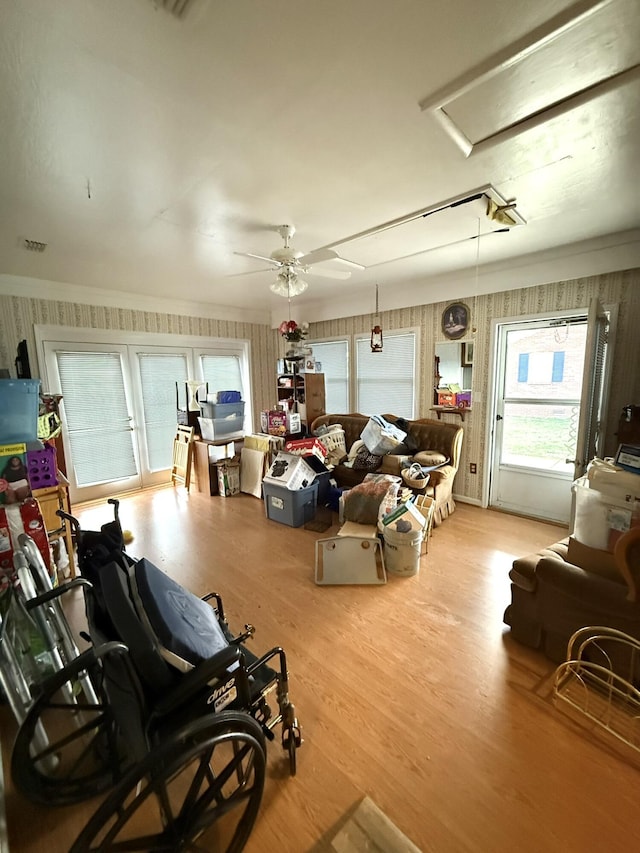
[562, 588]
[429, 435]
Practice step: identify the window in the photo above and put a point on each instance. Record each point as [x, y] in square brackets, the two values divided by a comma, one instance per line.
[158, 377]
[334, 358]
[222, 373]
[372, 383]
[386, 381]
[557, 371]
[523, 367]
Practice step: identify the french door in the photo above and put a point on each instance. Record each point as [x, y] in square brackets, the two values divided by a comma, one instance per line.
[119, 403]
[550, 377]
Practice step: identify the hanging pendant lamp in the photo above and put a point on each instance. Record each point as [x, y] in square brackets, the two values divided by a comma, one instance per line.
[376, 331]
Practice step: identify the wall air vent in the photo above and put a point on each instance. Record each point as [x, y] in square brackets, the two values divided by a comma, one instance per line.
[467, 217]
[34, 245]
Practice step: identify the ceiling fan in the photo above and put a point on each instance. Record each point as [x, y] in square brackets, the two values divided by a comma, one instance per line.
[290, 263]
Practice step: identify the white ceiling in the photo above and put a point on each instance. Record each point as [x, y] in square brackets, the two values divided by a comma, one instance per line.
[146, 150]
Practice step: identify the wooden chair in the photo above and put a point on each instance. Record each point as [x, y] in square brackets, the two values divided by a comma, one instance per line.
[182, 457]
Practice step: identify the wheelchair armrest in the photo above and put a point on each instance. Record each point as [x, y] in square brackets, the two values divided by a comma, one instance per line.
[56, 592]
[197, 678]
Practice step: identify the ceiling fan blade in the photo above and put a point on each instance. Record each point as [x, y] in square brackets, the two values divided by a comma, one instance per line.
[321, 255]
[259, 257]
[327, 273]
[249, 272]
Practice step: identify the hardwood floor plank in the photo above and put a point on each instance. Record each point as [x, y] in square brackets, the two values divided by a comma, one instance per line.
[412, 694]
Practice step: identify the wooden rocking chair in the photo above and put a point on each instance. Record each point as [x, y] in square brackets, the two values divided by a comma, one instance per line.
[182, 457]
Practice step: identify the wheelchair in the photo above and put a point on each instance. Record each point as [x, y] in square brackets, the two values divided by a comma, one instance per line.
[166, 711]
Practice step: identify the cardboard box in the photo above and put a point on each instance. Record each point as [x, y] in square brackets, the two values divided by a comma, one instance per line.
[14, 474]
[274, 422]
[290, 471]
[406, 512]
[307, 447]
[628, 458]
[447, 398]
[228, 477]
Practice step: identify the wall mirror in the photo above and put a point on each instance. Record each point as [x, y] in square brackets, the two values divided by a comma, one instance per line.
[453, 365]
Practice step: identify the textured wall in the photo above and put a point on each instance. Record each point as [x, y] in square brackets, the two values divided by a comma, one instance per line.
[19, 315]
[622, 288]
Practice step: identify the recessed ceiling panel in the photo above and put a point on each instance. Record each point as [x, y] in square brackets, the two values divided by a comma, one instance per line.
[600, 46]
[587, 50]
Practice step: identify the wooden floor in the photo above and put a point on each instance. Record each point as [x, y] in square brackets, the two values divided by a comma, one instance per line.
[412, 694]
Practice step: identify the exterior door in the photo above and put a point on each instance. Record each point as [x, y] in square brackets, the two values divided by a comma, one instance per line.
[98, 421]
[551, 380]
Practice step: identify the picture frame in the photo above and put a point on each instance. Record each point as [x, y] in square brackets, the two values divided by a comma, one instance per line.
[455, 321]
[466, 354]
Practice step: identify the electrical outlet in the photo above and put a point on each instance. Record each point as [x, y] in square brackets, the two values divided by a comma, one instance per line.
[473, 468]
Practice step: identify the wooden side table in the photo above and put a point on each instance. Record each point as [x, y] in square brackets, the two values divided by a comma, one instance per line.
[51, 499]
[206, 474]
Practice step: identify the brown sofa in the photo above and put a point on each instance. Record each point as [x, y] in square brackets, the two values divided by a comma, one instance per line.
[430, 435]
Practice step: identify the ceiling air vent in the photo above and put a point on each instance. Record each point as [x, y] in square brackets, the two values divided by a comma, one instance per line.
[34, 246]
[177, 8]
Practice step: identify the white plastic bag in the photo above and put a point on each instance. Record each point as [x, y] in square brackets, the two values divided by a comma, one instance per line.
[380, 436]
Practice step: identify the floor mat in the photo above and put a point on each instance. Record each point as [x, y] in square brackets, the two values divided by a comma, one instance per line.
[368, 829]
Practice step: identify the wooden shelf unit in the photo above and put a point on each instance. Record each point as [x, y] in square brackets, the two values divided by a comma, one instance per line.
[306, 390]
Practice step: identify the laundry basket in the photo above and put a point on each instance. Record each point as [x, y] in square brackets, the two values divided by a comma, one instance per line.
[334, 440]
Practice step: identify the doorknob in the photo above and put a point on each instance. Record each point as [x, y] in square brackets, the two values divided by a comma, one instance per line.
[499, 418]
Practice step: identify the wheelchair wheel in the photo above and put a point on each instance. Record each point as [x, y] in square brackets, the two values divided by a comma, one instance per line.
[66, 750]
[200, 789]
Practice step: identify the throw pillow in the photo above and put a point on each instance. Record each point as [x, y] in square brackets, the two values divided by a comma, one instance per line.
[430, 458]
[362, 502]
[365, 461]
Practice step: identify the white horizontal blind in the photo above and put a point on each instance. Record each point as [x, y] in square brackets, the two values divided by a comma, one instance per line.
[222, 373]
[386, 380]
[97, 416]
[159, 374]
[334, 359]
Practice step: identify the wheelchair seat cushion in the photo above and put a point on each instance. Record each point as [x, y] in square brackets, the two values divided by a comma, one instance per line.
[186, 627]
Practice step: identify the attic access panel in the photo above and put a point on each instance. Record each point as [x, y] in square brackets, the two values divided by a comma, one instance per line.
[444, 224]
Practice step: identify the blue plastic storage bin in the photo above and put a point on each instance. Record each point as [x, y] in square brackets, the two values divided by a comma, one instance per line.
[19, 406]
[293, 508]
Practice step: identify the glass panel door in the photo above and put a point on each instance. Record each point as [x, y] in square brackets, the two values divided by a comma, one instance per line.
[98, 426]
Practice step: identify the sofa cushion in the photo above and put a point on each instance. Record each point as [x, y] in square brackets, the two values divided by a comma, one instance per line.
[392, 464]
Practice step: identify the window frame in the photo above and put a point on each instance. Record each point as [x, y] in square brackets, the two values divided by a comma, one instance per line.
[352, 380]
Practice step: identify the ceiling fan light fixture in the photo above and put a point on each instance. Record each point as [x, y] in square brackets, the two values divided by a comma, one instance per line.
[288, 284]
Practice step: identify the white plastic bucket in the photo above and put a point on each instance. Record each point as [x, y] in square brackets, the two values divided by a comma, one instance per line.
[402, 551]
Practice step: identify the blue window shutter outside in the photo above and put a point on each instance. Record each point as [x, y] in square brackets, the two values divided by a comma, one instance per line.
[523, 366]
[558, 367]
